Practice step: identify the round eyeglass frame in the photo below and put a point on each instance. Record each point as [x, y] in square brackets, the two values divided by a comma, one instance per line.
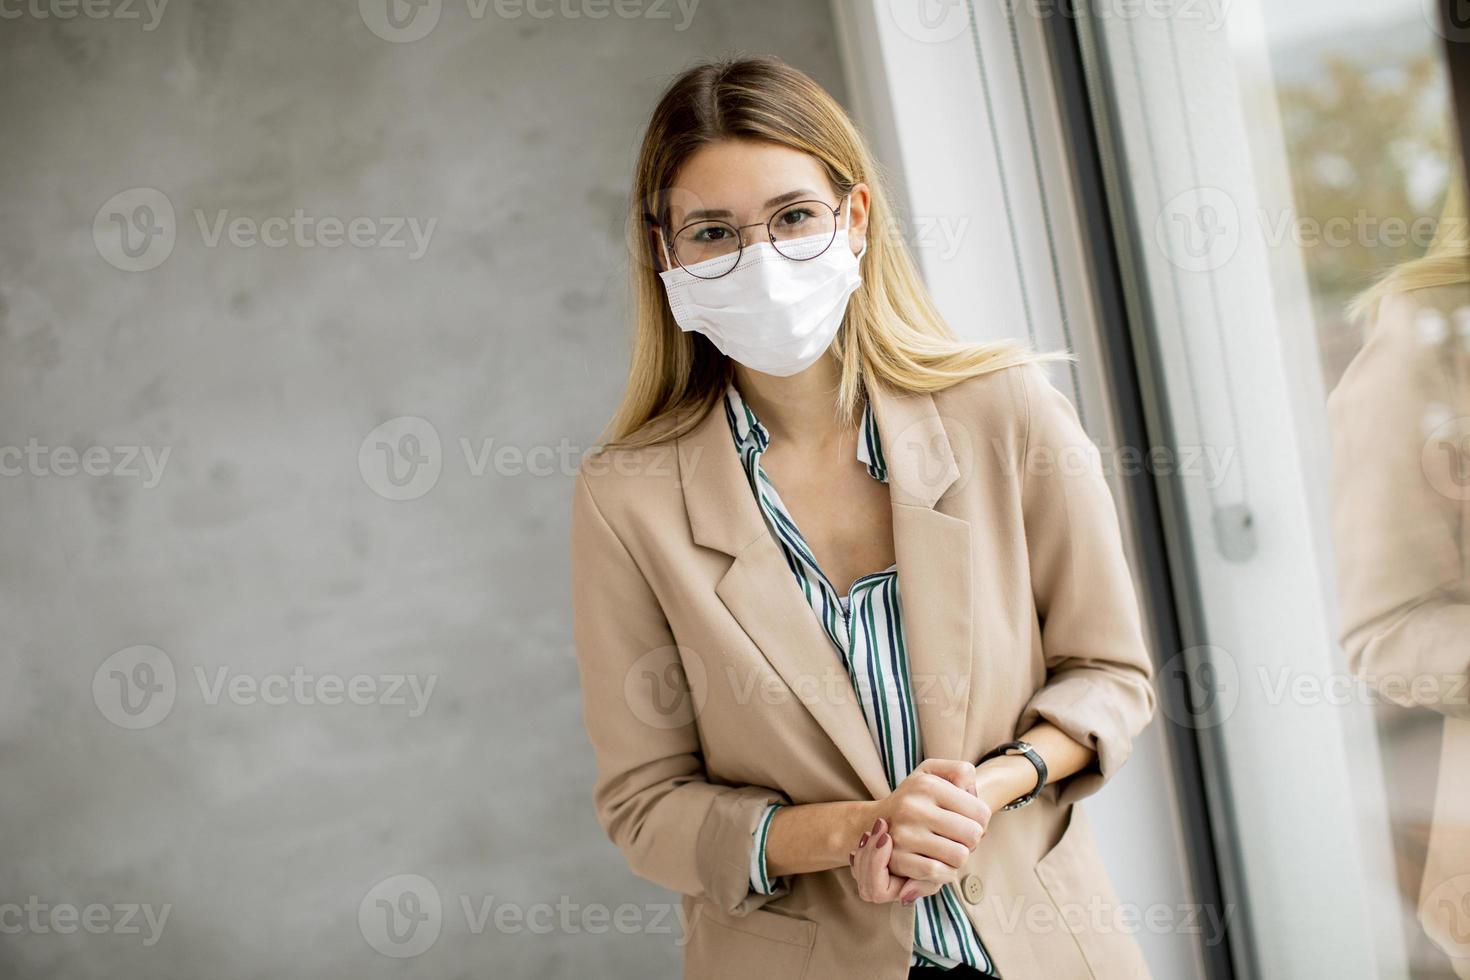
[671, 246]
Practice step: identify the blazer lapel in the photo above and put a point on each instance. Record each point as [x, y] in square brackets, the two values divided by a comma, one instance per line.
[761, 593]
[935, 565]
[933, 551]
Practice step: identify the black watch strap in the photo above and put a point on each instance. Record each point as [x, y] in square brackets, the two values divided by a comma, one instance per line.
[1032, 756]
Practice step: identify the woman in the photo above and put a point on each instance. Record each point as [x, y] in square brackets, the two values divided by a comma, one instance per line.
[1400, 422]
[817, 762]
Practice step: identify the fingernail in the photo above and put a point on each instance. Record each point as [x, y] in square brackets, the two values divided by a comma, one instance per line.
[863, 839]
[882, 839]
[875, 825]
[909, 901]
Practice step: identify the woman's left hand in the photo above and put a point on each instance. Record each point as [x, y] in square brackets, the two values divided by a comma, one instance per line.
[869, 863]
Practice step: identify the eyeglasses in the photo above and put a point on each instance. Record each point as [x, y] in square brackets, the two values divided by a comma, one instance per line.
[801, 231]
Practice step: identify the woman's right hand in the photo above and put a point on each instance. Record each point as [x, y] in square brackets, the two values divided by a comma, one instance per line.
[935, 821]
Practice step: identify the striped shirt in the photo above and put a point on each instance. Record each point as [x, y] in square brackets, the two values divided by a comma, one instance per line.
[866, 630]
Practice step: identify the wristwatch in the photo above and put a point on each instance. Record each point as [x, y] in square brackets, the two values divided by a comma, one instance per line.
[1021, 748]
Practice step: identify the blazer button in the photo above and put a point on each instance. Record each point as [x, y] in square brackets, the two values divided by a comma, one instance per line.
[973, 888]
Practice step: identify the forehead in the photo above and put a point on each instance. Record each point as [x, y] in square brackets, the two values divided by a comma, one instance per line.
[740, 176]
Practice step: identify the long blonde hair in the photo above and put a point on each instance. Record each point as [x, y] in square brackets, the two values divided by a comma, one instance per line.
[1445, 263]
[892, 332]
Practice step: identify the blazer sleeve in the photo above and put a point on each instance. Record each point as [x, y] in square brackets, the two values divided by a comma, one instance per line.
[1398, 502]
[1099, 678]
[651, 794]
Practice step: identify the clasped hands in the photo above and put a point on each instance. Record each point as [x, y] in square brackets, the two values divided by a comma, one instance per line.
[924, 832]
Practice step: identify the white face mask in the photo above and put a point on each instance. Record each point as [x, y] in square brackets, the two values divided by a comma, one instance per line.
[772, 314]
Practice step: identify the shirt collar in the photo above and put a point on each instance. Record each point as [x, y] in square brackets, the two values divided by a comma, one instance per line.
[749, 433]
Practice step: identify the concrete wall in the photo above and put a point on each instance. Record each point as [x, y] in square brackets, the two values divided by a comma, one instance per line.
[202, 564]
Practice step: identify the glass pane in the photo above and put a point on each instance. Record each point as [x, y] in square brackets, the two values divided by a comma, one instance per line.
[1278, 160]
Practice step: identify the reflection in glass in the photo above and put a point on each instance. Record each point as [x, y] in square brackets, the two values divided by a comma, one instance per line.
[1400, 425]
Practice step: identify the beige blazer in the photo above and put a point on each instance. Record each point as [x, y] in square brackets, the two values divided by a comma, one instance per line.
[710, 690]
[1400, 421]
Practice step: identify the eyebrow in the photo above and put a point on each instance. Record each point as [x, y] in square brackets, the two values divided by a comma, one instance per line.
[802, 194]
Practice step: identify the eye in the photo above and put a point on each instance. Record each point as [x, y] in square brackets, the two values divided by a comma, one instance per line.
[795, 216]
[709, 234]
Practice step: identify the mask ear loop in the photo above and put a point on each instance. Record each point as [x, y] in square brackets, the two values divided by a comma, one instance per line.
[663, 244]
[848, 229]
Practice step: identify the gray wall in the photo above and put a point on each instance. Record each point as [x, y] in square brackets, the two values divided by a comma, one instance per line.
[264, 542]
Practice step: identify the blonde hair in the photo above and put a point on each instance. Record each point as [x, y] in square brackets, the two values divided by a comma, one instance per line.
[1445, 263]
[892, 332]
